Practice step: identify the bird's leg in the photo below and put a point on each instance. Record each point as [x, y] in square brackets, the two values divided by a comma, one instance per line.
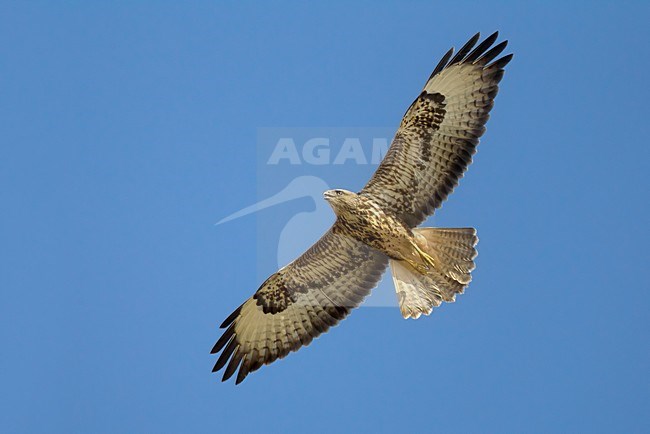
[426, 258]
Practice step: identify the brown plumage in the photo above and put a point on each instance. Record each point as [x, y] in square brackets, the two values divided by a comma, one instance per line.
[429, 154]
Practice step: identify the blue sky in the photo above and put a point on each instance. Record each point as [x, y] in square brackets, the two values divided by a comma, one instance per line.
[129, 129]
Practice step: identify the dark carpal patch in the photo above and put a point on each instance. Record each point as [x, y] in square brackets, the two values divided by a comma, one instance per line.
[274, 296]
[426, 122]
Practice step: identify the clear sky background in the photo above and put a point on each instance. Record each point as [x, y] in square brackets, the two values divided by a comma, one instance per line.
[129, 129]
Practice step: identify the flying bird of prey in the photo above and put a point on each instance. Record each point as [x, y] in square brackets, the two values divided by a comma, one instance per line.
[378, 225]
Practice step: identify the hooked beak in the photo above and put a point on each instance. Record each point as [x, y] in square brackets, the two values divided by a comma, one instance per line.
[329, 194]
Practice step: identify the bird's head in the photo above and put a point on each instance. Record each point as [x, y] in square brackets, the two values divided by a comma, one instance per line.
[341, 201]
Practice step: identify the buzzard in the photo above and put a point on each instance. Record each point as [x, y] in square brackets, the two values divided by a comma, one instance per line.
[378, 225]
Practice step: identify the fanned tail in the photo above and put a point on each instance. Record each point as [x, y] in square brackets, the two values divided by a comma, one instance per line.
[448, 259]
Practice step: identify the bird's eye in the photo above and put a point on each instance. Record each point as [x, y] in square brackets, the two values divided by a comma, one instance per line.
[339, 192]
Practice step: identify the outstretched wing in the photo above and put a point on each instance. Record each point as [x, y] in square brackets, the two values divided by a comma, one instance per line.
[298, 303]
[439, 132]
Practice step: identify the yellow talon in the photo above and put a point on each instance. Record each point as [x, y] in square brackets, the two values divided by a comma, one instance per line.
[425, 257]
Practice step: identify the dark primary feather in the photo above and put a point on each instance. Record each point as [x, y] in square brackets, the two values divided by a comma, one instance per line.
[223, 339]
[231, 317]
[465, 49]
[232, 344]
[501, 63]
[443, 62]
[480, 49]
[494, 52]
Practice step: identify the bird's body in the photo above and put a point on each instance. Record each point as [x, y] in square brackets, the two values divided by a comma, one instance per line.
[379, 225]
[363, 219]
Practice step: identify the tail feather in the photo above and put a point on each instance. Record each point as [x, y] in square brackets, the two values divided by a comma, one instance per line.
[453, 253]
[454, 249]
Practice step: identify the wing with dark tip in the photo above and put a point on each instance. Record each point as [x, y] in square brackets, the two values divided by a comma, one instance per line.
[298, 303]
[439, 132]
